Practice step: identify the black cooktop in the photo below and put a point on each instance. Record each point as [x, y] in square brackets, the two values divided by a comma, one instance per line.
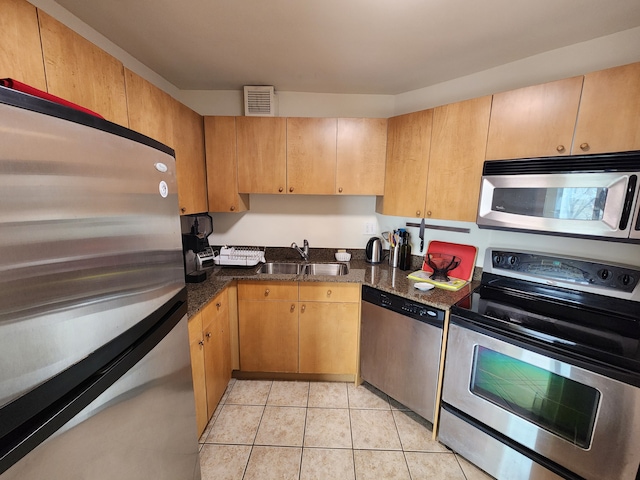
[584, 326]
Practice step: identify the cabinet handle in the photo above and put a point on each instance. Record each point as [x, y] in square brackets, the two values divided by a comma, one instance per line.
[328, 293]
[183, 209]
[266, 292]
[560, 148]
[584, 146]
[302, 308]
[201, 343]
[417, 213]
[291, 189]
[232, 208]
[340, 190]
[218, 305]
[280, 189]
[208, 335]
[429, 213]
[293, 307]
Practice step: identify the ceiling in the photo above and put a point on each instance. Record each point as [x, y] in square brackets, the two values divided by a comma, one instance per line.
[382, 47]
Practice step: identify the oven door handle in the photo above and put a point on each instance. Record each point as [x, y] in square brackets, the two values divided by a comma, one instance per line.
[628, 203]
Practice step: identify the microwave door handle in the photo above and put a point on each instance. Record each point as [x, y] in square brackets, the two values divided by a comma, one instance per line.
[628, 203]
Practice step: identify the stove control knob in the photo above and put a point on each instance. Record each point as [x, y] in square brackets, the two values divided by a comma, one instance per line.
[498, 259]
[626, 279]
[604, 274]
[513, 260]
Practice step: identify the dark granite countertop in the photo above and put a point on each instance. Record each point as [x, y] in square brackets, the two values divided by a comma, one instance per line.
[381, 276]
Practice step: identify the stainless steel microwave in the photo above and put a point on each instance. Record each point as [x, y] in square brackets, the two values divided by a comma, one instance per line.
[593, 196]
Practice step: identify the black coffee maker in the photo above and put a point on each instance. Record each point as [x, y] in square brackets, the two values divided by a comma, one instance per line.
[195, 246]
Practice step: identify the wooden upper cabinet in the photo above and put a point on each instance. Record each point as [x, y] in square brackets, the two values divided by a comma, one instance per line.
[150, 109]
[222, 166]
[190, 160]
[534, 121]
[21, 53]
[82, 73]
[609, 118]
[262, 158]
[458, 143]
[407, 165]
[361, 154]
[311, 155]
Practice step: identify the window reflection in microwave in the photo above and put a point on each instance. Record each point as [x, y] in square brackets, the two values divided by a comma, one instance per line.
[555, 403]
[567, 203]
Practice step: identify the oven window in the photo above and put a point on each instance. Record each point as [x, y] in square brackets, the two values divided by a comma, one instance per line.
[555, 403]
[568, 203]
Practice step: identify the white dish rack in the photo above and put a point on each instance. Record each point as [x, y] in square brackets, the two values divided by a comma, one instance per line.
[239, 256]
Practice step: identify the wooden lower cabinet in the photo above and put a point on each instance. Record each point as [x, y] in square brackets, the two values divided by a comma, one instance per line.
[268, 326]
[210, 356]
[329, 318]
[310, 327]
[196, 348]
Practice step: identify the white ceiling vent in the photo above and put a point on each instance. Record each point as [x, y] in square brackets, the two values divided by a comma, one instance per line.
[259, 101]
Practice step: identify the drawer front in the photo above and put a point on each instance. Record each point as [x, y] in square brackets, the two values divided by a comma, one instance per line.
[329, 292]
[255, 290]
[214, 309]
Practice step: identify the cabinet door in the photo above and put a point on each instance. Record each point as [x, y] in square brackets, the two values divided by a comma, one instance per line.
[222, 166]
[262, 158]
[150, 109]
[82, 73]
[190, 161]
[196, 347]
[328, 337]
[407, 166]
[21, 53]
[311, 155]
[361, 155]
[609, 118]
[268, 334]
[458, 143]
[536, 121]
[215, 326]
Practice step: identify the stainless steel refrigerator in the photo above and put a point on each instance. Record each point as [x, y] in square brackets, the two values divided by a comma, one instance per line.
[95, 377]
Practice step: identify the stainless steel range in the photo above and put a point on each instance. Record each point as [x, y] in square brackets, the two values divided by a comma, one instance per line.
[542, 370]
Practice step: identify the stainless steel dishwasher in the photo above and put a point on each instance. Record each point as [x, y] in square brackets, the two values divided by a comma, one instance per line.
[400, 343]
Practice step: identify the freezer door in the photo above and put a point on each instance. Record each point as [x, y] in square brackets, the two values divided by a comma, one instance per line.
[89, 238]
[142, 426]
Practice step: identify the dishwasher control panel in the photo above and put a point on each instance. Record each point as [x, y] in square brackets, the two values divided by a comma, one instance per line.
[409, 308]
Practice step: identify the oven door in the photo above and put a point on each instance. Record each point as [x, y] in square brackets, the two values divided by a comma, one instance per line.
[575, 204]
[580, 420]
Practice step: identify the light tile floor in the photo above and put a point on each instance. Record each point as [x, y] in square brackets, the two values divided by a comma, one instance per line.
[267, 430]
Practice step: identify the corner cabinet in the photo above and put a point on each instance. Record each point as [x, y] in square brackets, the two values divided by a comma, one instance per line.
[407, 165]
[222, 166]
[329, 324]
[210, 356]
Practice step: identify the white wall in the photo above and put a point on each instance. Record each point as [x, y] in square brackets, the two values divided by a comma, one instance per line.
[338, 222]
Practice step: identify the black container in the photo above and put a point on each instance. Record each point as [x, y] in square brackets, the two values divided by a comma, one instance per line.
[405, 253]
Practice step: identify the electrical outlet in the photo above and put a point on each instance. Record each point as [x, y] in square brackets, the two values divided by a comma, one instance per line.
[369, 228]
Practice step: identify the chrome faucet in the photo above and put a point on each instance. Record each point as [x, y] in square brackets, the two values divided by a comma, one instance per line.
[304, 252]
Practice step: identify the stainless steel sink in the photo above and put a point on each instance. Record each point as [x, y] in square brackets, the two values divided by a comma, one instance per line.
[326, 269]
[281, 268]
